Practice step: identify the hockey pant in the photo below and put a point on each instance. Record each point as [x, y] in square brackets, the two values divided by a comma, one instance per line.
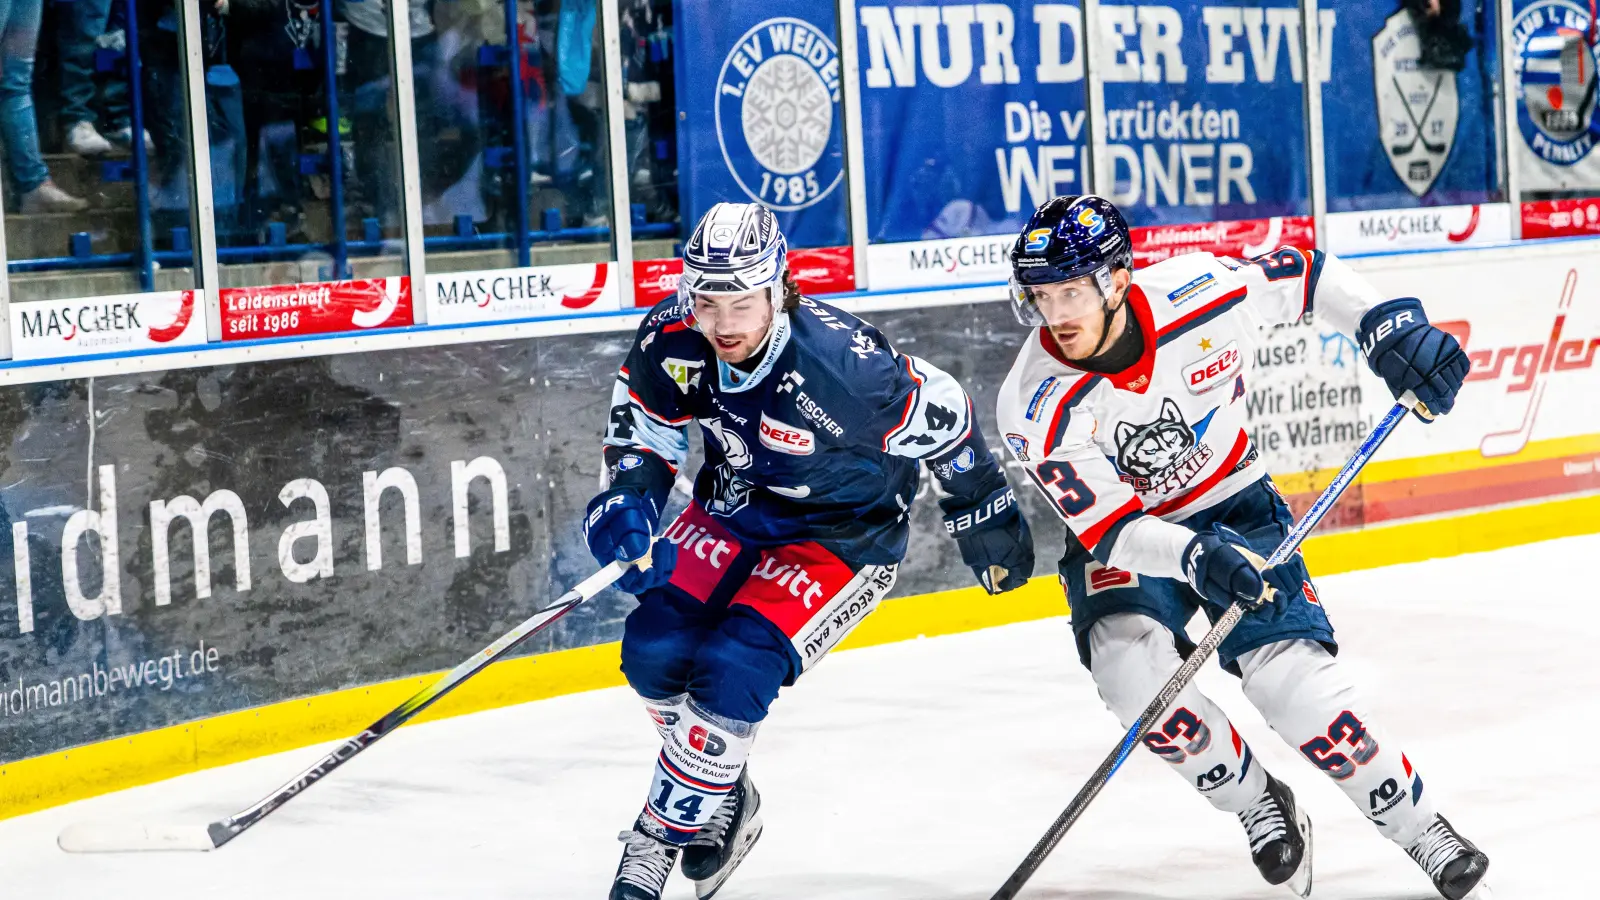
[709, 651]
[1301, 692]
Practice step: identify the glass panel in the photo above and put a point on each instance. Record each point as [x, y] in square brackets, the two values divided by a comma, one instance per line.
[89, 213]
[1205, 118]
[1555, 49]
[755, 115]
[298, 200]
[483, 134]
[1410, 114]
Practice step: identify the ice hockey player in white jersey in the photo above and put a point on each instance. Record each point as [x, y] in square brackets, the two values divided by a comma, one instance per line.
[1125, 408]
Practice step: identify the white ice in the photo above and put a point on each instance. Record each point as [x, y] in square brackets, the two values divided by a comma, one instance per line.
[927, 769]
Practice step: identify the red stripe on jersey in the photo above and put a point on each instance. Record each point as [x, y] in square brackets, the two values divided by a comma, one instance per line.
[640, 448]
[690, 780]
[678, 828]
[1240, 445]
[679, 325]
[657, 416]
[1091, 536]
[1407, 763]
[1181, 324]
[1238, 745]
[911, 403]
[1136, 377]
[1058, 422]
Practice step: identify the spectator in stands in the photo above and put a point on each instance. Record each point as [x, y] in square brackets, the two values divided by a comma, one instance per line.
[19, 129]
[376, 160]
[1445, 41]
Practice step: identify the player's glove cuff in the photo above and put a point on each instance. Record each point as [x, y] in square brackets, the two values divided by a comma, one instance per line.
[1411, 355]
[994, 539]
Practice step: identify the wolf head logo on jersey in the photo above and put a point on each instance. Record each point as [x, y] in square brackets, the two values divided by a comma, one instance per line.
[1164, 455]
[1152, 447]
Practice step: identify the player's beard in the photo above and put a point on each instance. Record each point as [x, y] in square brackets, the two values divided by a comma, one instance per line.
[735, 349]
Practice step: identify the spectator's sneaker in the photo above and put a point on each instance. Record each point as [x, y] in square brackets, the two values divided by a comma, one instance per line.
[123, 137]
[84, 140]
[48, 198]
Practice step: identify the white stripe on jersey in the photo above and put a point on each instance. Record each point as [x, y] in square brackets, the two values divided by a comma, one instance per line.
[1116, 454]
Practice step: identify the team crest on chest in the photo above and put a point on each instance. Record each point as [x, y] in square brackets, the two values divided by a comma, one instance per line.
[1164, 455]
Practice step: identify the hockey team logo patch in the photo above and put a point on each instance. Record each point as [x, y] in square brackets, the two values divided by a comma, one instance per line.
[685, 373]
[1163, 455]
[1417, 108]
[785, 438]
[778, 114]
[1214, 369]
[1554, 59]
[1018, 445]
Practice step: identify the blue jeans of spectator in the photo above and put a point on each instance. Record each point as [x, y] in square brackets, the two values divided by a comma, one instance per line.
[81, 22]
[19, 129]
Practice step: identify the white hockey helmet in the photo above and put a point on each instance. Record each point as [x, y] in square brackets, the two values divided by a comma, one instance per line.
[735, 249]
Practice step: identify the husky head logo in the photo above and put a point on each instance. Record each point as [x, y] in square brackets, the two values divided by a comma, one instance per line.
[1149, 449]
[1417, 108]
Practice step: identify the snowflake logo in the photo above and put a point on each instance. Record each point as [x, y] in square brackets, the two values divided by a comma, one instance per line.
[787, 115]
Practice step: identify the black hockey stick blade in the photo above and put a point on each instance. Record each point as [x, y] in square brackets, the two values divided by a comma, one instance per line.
[112, 837]
[1191, 666]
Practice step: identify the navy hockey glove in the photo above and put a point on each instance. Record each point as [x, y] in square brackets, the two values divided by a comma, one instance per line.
[1222, 569]
[1411, 355]
[994, 540]
[618, 525]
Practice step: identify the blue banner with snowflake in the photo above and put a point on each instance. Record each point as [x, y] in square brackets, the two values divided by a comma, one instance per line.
[760, 115]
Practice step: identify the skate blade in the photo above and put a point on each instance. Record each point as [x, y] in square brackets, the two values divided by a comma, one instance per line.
[1300, 881]
[707, 889]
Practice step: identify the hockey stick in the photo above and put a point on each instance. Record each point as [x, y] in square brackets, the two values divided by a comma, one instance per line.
[1415, 124]
[95, 837]
[1202, 652]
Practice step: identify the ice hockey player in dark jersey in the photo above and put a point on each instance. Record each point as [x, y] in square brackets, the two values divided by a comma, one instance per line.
[814, 428]
[1124, 409]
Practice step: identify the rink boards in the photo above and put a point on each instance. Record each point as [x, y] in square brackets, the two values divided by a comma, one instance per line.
[375, 517]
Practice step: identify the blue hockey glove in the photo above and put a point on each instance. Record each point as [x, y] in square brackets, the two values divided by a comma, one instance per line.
[618, 525]
[994, 540]
[1411, 355]
[1222, 569]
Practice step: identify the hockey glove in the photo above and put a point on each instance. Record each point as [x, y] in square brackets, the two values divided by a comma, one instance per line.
[1221, 569]
[994, 539]
[618, 525]
[1411, 355]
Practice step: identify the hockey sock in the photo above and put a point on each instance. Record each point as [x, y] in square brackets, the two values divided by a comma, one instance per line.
[1131, 657]
[1307, 699]
[700, 761]
[664, 714]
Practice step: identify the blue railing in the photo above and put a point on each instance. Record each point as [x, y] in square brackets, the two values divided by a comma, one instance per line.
[80, 255]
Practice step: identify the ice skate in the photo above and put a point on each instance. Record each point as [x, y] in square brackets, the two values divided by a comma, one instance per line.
[1455, 865]
[1280, 838]
[646, 863]
[723, 843]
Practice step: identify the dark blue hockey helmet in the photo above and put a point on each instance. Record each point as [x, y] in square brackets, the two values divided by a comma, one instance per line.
[1067, 238]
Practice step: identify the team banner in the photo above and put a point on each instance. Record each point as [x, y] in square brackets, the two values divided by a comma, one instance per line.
[498, 295]
[1408, 119]
[974, 114]
[760, 115]
[50, 329]
[1555, 49]
[327, 307]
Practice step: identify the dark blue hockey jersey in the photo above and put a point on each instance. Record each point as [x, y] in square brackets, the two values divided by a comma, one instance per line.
[819, 442]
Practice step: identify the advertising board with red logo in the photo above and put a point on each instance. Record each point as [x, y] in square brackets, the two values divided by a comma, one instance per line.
[315, 308]
[47, 329]
[1377, 231]
[1525, 426]
[1561, 218]
[817, 271]
[460, 298]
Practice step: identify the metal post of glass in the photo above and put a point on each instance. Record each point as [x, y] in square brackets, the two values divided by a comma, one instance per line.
[1506, 114]
[330, 60]
[1311, 87]
[617, 132]
[5, 284]
[145, 253]
[202, 202]
[519, 131]
[855, 171]
[1099, 170]
[403, 112]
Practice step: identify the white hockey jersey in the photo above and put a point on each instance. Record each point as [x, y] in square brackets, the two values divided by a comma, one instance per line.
[1124, 457]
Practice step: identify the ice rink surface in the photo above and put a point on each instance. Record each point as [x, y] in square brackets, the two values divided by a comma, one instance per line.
[927, 769]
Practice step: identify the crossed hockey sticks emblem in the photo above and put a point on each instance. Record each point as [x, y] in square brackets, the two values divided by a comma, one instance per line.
[1416, 121]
